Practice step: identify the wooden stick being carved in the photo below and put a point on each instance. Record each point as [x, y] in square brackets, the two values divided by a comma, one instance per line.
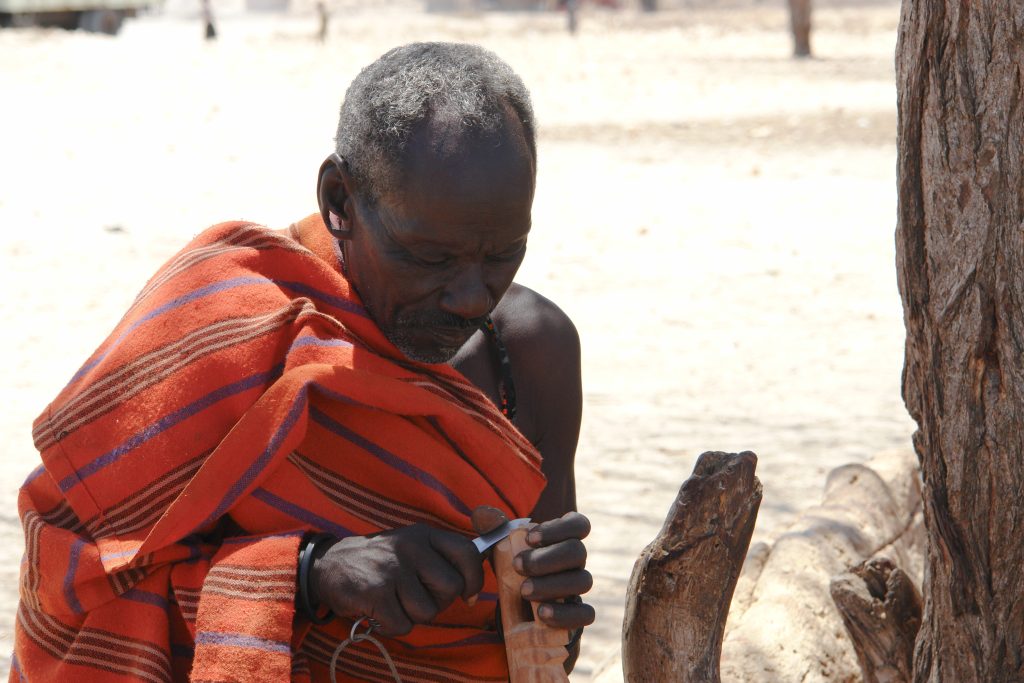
[535, 651]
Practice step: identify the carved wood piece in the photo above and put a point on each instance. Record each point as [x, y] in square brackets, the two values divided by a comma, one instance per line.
[682, 583]
[535, 652]
[881, 609]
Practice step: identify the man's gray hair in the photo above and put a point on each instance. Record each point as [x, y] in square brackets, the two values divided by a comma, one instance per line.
[411, 84]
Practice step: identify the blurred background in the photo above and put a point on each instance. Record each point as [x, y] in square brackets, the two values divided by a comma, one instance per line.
[715, 215]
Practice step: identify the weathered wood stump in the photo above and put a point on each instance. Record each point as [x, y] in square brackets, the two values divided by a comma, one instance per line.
[783, 623]
[682, 583]
[881, 609]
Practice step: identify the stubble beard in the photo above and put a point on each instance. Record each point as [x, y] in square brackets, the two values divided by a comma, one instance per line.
[402, 332]
[405, 329]
[400, 337]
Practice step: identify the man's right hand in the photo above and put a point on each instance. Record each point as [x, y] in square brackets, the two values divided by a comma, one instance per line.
[398, 578]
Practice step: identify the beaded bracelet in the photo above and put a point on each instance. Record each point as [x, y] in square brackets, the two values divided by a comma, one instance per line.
[307, 551]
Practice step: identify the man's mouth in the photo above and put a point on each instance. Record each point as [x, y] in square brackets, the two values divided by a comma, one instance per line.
[452, 336]
[433, 338]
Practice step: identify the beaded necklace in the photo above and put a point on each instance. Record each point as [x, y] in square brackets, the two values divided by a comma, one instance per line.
[506, 387]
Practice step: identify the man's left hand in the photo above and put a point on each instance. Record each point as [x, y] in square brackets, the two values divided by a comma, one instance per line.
[553, 567]
[554, 571]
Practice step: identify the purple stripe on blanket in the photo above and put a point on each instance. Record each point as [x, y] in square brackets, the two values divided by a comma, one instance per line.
[389, 458]
[297, 410]
[300, 513]
[215, 288]
[241, 640]
[166, 423]
[69, 576]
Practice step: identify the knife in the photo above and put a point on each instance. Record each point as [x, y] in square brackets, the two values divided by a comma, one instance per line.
[484, 542]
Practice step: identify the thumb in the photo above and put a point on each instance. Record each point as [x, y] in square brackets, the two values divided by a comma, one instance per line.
[486, 518]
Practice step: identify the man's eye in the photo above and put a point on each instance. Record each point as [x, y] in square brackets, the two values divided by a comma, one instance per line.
[510, 255]
[431, 261]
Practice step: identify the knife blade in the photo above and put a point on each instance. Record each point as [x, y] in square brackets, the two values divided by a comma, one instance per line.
[485, 541]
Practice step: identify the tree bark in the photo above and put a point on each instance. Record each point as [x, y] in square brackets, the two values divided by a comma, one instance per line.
[800, 23]
[881, 610]
[960, 262]
[682, 584]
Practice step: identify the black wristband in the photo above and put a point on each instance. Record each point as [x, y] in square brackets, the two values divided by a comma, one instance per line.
[307, 551]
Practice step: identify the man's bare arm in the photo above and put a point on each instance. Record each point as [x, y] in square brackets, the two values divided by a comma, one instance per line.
[544, 350]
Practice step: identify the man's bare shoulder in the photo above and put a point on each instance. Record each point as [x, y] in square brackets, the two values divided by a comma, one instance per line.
[544, 349]
[535, 325]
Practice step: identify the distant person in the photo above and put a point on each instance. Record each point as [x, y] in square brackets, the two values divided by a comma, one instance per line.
[324, 18]
[292, 431]
[211, 31]
[572, 9]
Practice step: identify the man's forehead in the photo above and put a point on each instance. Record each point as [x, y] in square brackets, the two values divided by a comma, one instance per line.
[482, 192]
[444, 155]
[431, 219]
[448, 132]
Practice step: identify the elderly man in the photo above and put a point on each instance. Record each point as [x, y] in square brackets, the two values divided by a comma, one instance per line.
[292, 431]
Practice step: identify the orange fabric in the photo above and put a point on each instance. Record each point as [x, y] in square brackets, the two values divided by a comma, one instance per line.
[245, 398]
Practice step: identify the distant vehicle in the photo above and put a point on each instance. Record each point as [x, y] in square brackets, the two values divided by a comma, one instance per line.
[95, 16]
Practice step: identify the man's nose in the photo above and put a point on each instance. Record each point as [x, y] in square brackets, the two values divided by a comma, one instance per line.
[467, 295]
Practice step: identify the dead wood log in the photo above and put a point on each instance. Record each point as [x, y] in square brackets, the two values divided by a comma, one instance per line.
[783, 624]
[881, 609]
[682, 583]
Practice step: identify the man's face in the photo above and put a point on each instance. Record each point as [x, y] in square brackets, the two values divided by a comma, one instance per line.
[431, 259]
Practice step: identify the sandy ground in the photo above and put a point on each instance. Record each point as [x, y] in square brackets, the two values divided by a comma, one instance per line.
[715, 216]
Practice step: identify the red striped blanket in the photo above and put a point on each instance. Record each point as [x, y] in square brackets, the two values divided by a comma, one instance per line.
[245, 398]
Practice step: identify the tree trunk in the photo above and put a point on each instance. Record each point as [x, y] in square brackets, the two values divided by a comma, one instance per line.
[682, 584]
[800, 23]
[960, 260]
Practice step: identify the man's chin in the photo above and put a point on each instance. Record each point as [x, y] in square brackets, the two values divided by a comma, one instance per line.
[437, 358]
[433, 355]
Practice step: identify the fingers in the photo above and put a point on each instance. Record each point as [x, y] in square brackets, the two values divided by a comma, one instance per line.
[546, 588]
[564, 556]
[439, 575]
[566, 615]
[442, 581]
[461, 554]
[554, 567]
[486, 518]
[389, 614]
[569, 525]
[417, 601]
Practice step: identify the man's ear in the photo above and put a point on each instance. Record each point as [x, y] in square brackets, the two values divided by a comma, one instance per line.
[334, 194]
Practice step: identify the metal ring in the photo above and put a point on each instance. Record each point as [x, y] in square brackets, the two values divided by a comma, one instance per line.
[372, 625]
